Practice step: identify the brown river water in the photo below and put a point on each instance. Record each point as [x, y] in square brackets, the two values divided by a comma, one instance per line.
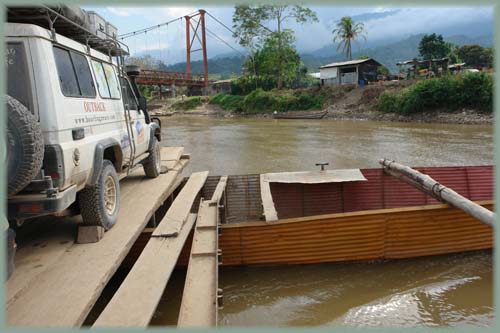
[451, 290]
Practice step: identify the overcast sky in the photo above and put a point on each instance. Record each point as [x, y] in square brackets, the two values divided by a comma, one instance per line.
[380, 23]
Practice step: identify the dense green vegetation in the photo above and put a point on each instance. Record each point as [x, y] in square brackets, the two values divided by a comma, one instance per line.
[261, 28]
[228, 102]
[188, 103]
[261, 101]
[473, 90]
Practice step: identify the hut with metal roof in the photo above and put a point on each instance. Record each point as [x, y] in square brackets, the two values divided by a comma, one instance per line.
[359, 71]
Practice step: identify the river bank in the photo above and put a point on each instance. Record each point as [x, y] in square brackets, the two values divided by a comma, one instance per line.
[347, 112]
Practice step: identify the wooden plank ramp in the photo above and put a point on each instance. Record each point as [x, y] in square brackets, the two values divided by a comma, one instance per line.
[135, 302]
[58, 286]
[199, 299]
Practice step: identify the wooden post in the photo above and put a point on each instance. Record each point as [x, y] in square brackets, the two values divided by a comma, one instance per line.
[429, 186]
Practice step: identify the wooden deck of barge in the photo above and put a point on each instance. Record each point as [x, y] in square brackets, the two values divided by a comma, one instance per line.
[57, 281]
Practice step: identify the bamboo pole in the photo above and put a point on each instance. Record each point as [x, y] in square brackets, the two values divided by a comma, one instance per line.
[431, 187]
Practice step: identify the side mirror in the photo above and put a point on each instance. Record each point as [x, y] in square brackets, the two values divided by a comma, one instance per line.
[143, 104]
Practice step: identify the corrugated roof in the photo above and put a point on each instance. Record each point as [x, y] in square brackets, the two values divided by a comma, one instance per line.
[344, 63]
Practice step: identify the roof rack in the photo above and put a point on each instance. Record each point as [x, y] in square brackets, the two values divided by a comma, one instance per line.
[51, 19]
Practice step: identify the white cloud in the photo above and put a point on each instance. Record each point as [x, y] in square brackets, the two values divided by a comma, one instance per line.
[118, 11]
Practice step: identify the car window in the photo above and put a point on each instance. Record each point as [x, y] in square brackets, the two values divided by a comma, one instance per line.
[83, 75]
[129, 97]
[114, 87]
[67, 75]
[18, 81]
[102, 84]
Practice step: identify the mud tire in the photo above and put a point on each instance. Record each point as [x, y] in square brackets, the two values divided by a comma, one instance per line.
[24, 146]
[152, 165]
[92, 199]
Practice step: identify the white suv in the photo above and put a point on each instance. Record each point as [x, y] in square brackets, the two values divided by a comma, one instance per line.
[76, 125]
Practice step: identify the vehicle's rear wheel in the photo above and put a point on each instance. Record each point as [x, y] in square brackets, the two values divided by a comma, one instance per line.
[99, 204]
[24, 146]
[152, 166]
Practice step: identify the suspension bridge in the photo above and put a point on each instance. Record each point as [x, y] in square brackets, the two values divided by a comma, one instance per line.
[196, 32]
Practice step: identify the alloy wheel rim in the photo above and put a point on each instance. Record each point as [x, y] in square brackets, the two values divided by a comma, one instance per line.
[110, 195]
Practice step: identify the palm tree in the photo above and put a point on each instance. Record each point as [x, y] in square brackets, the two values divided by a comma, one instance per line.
[346, 31]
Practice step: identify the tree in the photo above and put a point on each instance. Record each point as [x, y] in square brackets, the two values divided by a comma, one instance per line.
[476, 55]
[345, 32]
[267, 64]
[255, 24]
[432, 47]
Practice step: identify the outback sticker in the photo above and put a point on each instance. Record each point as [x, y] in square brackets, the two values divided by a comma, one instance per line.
[94, 106]
[140, 131]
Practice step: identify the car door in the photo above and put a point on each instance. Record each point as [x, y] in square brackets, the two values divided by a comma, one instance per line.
[137, 120]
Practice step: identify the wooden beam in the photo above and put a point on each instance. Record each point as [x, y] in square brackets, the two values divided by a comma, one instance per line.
[270, 212]
[220, 189]
[176, 216]
[63, 291]
[199, 299]
[135, 302]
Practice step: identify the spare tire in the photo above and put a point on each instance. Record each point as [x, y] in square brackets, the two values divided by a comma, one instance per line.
[24, 146]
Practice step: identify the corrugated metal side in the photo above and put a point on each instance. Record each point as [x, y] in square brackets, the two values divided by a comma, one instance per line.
[243, 199]
[423, 233]
[329, 240]
[399, 194]
[365, 195]
[380, 191]
[452, 177]
[382, 235]
[288, 199]
[320, 199]
[481, 184]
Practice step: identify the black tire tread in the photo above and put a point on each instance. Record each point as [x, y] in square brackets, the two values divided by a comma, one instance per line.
[149, 165]
[90, 201]
[25, 124]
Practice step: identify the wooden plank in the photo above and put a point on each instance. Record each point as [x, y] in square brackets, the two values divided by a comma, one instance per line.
[171, 154]
[135, 302]
[199, 299]
[270, 212]
[63, 293]
[176, 216]
[219, 189]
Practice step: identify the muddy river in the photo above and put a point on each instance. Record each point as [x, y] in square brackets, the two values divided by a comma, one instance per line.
[451, 290]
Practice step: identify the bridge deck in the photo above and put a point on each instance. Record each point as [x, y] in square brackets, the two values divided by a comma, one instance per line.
[156, 77]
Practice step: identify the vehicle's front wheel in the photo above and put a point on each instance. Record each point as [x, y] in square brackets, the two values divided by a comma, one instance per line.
[99, 204]
[152, 166]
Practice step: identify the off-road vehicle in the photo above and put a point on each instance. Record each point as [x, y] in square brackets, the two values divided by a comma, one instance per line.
[76, 121]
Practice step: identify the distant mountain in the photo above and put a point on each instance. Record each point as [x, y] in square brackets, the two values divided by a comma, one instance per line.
[224, 66]
[388, 54]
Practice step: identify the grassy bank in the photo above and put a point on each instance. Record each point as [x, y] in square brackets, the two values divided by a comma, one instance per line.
[260, 101]
[473, 90]
[188, 103]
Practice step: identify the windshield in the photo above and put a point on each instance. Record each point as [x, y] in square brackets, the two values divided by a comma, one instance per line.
[18, 82]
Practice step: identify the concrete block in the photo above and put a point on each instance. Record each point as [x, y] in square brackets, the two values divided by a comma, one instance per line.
[89, 234]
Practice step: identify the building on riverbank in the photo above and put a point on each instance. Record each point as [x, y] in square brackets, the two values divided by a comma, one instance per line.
[359, 71]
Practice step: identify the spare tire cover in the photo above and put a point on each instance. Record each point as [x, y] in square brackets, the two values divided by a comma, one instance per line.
[24, 146]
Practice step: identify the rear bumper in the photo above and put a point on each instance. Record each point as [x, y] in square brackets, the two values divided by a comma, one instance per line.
[24, 206]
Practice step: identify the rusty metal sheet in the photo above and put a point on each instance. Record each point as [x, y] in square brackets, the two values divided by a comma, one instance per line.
[368, 195]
